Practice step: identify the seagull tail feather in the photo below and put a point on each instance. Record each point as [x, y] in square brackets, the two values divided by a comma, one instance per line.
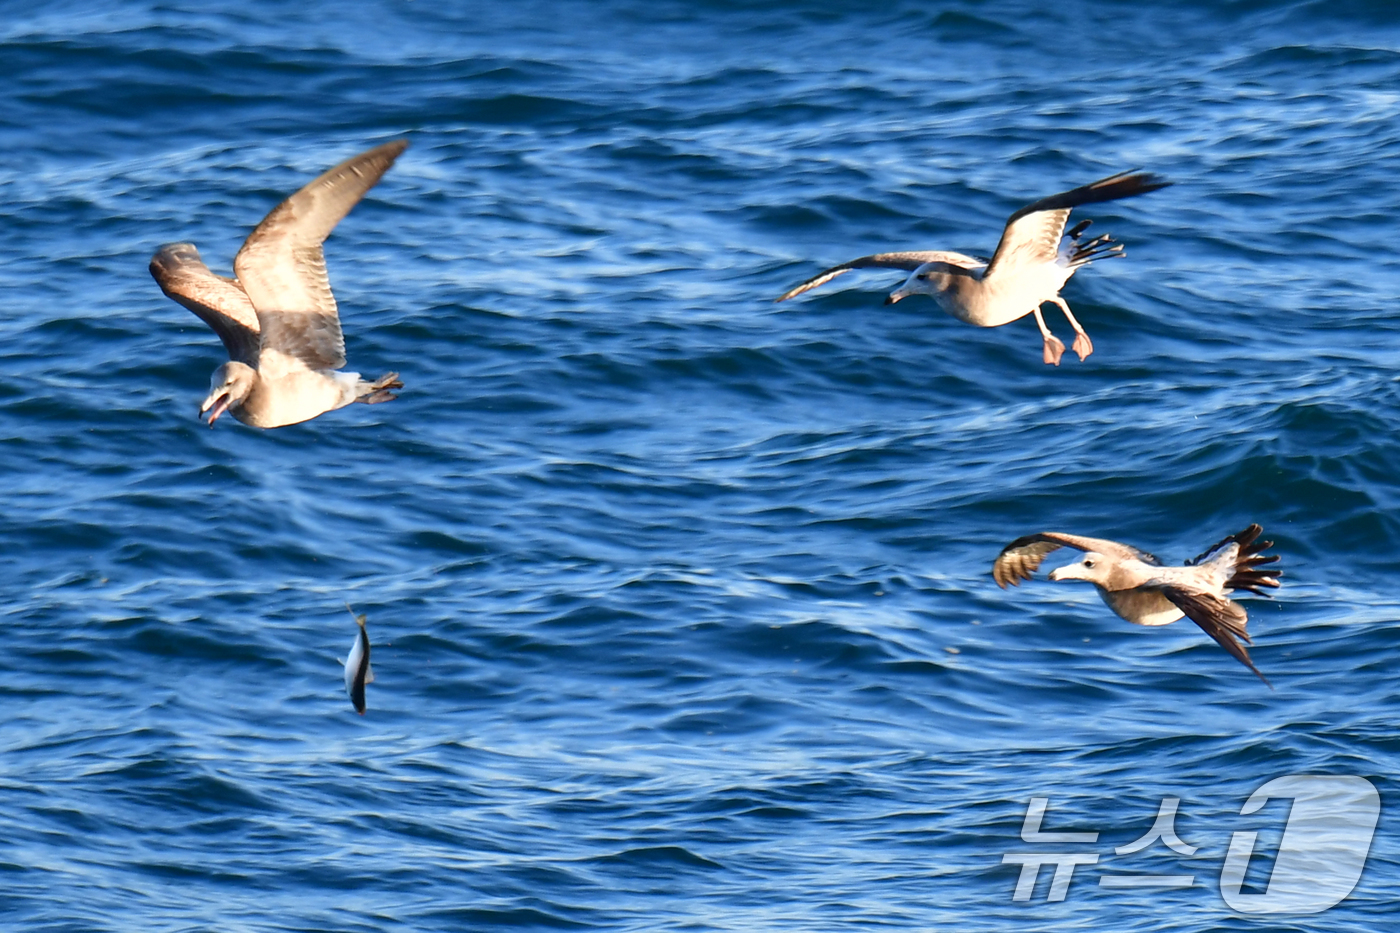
[1245, 574]
[1101, 247]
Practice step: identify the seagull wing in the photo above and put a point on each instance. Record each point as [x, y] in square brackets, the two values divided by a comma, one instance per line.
[907, 261]
[283, 269]
[219, 302]
[1020, 559]
[1032, 234]
[1220, 618]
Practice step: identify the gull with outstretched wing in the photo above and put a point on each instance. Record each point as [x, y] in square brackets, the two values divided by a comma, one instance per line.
[1033, 261]
[278, 319]
[1140, 588]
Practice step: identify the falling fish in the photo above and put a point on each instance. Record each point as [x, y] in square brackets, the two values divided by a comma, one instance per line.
[357, 670]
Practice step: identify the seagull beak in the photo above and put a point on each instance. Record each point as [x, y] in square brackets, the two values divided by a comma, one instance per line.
[892, 297]
[1055, 574]
[215, 408]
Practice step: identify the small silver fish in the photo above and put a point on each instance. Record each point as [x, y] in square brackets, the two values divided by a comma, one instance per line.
[357, 669]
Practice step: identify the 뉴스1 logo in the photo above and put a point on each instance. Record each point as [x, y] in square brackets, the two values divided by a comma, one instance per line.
[1320, 858]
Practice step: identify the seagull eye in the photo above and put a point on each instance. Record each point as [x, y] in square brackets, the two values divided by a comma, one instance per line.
[923, 276]
[1089, 564]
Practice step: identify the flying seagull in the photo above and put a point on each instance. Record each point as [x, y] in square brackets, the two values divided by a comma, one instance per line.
[278, 319]
[1139, 588]
[1031, 264]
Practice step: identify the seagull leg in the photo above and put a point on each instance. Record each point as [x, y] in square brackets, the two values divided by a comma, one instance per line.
[1053, 348]
[1082, 344]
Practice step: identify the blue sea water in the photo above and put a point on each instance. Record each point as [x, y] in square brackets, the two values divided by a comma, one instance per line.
[680, 599]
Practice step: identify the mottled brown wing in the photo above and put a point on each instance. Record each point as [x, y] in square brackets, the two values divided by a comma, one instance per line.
[1032, 234]
[219, 302]
[1220, 618]
[283, 269]
[1022, 557]
[907, 261]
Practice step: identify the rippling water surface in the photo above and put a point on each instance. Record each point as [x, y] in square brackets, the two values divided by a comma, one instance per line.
[680, 598]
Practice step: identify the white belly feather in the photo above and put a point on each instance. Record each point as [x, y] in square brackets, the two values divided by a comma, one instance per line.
[1141, 607]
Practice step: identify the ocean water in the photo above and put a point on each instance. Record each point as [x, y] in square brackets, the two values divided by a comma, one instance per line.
[680, 599]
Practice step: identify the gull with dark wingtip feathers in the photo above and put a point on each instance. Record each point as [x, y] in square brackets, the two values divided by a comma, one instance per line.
[1031, 264]
[278, 319]
[1139, 588]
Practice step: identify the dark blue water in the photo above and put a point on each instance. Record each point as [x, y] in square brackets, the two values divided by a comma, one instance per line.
[680, 599]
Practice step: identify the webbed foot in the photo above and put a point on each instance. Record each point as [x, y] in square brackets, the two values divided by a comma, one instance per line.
[1082, 345]
[1054, 349]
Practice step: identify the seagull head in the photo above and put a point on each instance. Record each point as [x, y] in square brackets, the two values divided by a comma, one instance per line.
[932, 279]
[1092, 568]
[228, 387]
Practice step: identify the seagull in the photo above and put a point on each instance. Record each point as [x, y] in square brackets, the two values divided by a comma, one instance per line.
[278, 319]
[1030, 266]
[1141, 589]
